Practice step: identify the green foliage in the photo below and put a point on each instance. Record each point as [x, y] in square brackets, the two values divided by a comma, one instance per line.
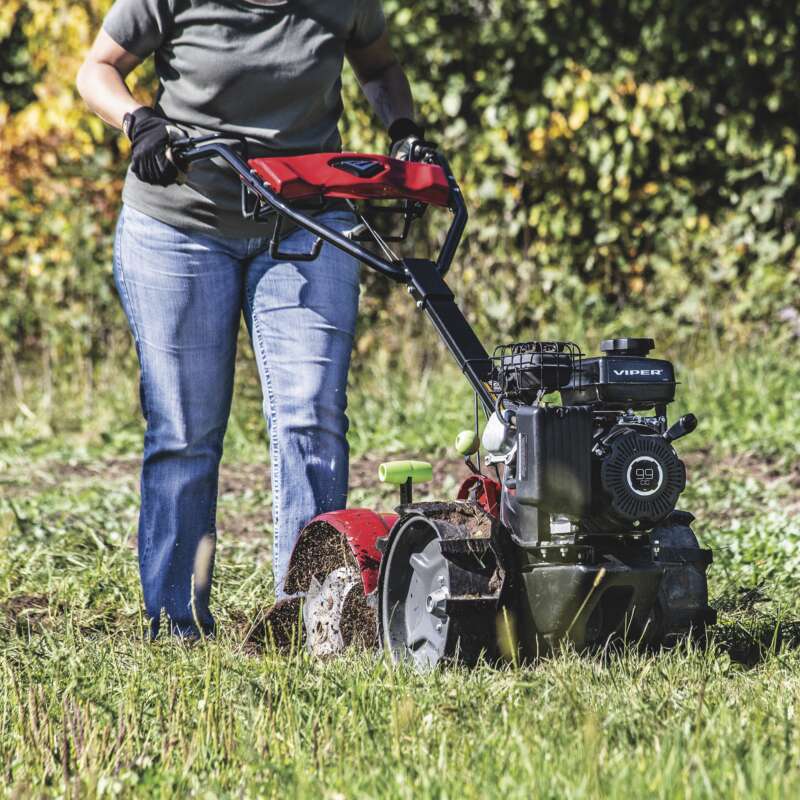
[61, 174]
[622, 161]
[17, 76]
[625, 166]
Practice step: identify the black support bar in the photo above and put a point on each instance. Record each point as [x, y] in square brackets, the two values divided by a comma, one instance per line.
[438, 302]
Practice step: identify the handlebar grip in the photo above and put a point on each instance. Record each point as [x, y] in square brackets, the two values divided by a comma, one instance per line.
[177, 136]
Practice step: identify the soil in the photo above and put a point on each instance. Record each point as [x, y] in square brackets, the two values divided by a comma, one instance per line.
[765, 470]
[359, 625]
[238, 478]
[473, 519]
[320, 550]
[48, 476]
[281, 627]
[246, 526]
[23, 604]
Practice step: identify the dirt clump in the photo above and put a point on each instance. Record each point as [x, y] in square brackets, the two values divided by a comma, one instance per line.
[23, 604]
[319, 550]
[359, 624]
[26, 611]
[474, 521]
[281, 627]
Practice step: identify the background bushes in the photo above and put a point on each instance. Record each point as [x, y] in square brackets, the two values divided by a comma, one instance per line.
[625, 164]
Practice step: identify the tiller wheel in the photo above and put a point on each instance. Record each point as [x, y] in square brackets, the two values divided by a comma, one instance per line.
[439, 586]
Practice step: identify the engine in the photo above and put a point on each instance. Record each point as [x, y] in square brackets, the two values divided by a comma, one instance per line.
[598, 457]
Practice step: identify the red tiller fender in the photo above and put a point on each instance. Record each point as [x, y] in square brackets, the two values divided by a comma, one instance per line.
[353, 176]
[361, 527]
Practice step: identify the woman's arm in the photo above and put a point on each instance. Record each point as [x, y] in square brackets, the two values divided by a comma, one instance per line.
[101, 80]
[382, 80]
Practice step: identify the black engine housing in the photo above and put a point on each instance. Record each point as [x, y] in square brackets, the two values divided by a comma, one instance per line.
[636, 480]
[623, 378]
[595, 459]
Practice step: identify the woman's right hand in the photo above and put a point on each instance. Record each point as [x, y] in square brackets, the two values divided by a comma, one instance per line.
[101, 82]
[149, 136]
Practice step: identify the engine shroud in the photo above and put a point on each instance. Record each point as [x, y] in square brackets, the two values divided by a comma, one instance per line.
[622, 378]
[621, 382]
[638, 479]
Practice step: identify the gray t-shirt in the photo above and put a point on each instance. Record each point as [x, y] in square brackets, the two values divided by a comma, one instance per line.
[267, 71]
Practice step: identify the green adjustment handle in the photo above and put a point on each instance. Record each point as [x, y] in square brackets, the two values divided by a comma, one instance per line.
[467, 443]
[399, 472]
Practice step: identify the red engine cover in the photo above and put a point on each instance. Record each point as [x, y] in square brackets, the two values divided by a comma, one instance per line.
[353, 176]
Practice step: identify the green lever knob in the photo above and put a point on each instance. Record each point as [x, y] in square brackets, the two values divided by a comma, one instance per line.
[399, 472]
[467, 443]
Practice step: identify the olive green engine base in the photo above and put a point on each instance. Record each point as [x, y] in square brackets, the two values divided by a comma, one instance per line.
[585, 605]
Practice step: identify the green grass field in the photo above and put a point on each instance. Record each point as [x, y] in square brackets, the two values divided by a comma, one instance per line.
[87, 708]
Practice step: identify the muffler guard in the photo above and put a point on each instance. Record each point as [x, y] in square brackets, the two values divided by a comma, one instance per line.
[586, 604]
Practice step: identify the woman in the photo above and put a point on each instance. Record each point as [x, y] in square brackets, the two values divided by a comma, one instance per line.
[186, 264]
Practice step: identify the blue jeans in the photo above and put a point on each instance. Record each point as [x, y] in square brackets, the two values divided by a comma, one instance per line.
[183, 293]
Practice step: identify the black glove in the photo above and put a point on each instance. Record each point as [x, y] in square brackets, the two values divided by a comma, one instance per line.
[147, 130]
[405, 135]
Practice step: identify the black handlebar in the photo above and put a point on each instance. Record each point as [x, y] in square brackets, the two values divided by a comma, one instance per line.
[424, 278]
[185, 151]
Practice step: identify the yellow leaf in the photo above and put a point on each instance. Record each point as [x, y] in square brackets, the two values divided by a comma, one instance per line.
[96, 127]
[579, 115]
[558, 125]
[537, 139]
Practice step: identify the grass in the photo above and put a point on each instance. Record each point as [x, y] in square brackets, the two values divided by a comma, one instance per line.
[87, 708]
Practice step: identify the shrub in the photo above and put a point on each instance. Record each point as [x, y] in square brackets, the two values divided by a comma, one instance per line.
[623, 163]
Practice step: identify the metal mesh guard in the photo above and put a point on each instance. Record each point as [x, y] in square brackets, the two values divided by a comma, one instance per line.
[521, 371]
